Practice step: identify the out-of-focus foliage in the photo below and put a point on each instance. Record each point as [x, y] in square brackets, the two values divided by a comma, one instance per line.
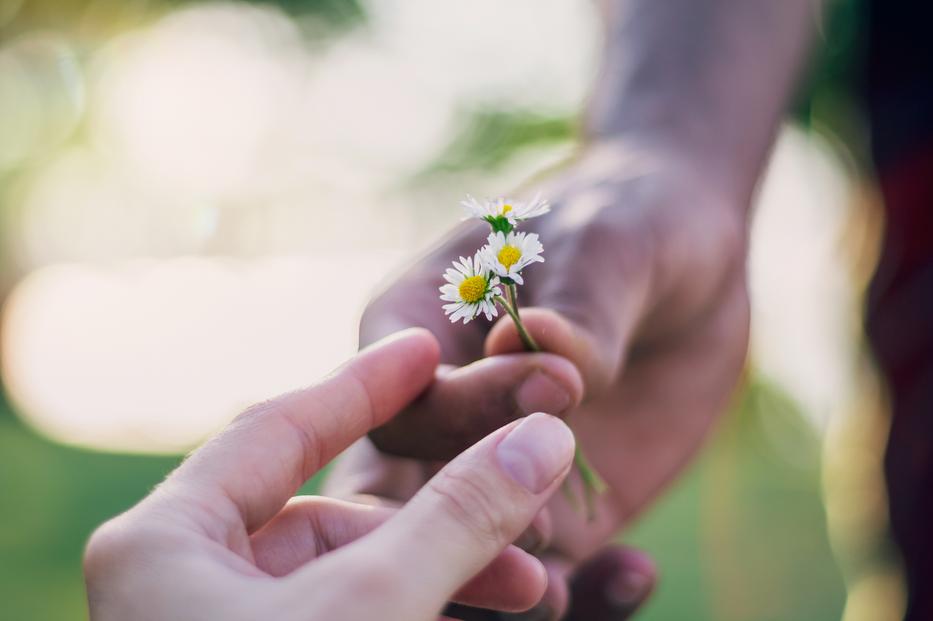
[52, 498]
[335, 11]
[830, 93]
[742, 536]
[489, 138]
[94, 17]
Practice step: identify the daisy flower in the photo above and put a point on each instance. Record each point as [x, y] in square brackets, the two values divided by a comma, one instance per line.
[507, 255]
[504, 214]
[470, 289]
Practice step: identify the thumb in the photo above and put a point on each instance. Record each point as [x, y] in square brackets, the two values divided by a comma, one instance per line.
[598, 359]
[470, 511]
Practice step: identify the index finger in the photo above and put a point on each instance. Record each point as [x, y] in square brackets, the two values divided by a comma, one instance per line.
[261, 459]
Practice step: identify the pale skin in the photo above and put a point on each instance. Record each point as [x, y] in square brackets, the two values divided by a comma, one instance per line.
[642, 301]
[224, 538]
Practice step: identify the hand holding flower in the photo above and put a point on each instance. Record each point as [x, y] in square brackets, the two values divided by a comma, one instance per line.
[643, 290]
[473, 288]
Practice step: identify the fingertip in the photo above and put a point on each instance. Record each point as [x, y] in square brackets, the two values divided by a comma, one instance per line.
[556, 334]
[550, 329]
[425, 343]
[542, 584]
[535, 583]
[634, 580]
[463, 405]
[515, 581]
[535, 587]
[536, 453]
[556, 598]
[419, 342]
[640, 561]
[554, 386]
[395, 370]
[613, 584]
[415, 350]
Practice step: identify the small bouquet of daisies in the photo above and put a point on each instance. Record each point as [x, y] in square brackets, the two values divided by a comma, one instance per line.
[489, 280]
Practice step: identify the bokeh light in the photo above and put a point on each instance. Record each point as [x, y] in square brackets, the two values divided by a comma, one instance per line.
[154, 356]
[42, 97]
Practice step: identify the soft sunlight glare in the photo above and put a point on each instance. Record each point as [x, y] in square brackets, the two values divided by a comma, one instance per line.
[154, 356]
[366, 112]
[194, 104]
[41, 97]
[522, 54]
[61, 214]
[804, 301]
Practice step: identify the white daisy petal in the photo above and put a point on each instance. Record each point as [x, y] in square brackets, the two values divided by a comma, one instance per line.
[474, 282]
[532, 209]
[474, 208]
[507, 255]
[502, 209]
[470, 289]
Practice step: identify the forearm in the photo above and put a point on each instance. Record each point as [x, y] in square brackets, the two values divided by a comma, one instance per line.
[708, 77]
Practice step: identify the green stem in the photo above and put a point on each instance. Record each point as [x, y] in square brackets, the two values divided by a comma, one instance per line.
[593, 484]
[511, 294]
[527, 340]
[512, 288]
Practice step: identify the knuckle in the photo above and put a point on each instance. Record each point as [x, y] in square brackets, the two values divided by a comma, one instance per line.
[246, 420]
[472, 505]
[281, 412]
[106, 547]
[621, 238]
[255, 413]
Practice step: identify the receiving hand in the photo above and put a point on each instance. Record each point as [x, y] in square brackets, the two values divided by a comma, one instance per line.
[223, 538]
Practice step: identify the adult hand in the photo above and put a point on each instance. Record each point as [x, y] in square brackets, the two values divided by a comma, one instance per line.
[642, 303]
[222, 537]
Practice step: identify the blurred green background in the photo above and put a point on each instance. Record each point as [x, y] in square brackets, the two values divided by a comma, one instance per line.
[164, 164]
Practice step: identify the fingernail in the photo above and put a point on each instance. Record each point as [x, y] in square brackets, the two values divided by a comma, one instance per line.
[540, 393]
[627, 590]
[536, 451]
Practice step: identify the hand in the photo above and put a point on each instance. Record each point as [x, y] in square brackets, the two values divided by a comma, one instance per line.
[222, 537]
[643, 291]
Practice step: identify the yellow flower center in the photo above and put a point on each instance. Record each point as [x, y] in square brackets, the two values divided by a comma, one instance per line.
[509, 256]
[473, 289]
[506, 209]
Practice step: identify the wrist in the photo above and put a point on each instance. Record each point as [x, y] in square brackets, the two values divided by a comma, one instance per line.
[709, 79]
[644, 150]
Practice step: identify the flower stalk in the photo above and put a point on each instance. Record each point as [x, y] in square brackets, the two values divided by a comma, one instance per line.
[475, 287]
[593, 484]
[523, 334]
